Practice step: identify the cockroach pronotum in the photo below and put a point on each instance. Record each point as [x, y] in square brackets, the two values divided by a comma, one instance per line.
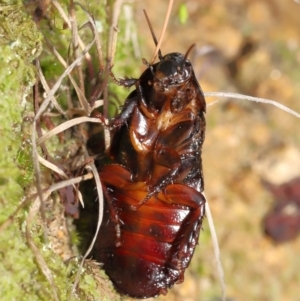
[153, 188]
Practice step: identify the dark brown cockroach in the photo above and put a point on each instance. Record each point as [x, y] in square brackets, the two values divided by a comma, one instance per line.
[153, 189]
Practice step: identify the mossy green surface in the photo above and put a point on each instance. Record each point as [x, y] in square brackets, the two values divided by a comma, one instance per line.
[20, 43]
[20, 276]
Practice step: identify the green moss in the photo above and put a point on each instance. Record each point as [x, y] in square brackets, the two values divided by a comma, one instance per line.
[16, 76]
[20, 43]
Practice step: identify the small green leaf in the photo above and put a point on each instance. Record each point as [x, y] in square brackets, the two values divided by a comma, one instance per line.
[183, 14]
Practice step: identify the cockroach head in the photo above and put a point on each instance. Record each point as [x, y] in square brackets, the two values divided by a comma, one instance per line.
[173, 69]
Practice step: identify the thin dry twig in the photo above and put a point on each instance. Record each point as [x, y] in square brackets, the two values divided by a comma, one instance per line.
[37, 172]
[163, 31]
[45, 103]
[52, 188]
[106, 129]
[216, 250]
[95, 31]
[97, 104]
[75, 43]
[100, 218]
[67, 20]
[113, 31]
[111, 49]
[80, 94]
[66, 125]
[47, 88]
[251, 98]
[52, 166]
[57, 170]
[35, 154]
[73, 181]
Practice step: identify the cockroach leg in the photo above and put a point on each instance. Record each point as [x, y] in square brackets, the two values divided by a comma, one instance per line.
[123, 117]
[125, 82]
[114, 217]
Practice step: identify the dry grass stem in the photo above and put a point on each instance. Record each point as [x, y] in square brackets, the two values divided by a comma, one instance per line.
[80, 93]
[97, 104]
[75, 45]
[94, 170]
[251, 98]
[67, 20]
[95, 32]
[52, 166]
[113, 31]
[45, 104]
[216, 250]
[163, 31]
[37, 172]
[47, 88]
[73, 181]
[66, 125]
[111, 49]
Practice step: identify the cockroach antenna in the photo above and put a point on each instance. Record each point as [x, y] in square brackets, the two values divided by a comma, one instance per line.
[153, 34]
[188, 51]
[180, 68]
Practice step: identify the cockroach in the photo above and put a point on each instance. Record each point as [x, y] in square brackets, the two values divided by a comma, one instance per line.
[154, 202]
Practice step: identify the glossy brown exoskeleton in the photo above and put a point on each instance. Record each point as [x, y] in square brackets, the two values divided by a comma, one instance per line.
[153, 190]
